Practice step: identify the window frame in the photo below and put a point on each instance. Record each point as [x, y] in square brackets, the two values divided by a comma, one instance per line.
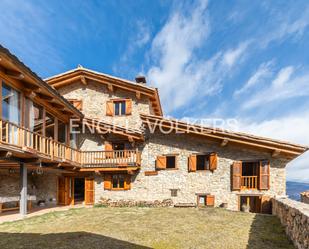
[166, 156]
[118, 183]
[122, 107]
[3, 81]
[207, 155]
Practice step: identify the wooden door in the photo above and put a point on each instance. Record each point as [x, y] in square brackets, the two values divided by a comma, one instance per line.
[89, 191]
[61, 191]
[66, 191]
[69, 190]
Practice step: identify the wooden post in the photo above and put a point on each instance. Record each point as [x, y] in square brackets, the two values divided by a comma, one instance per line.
[23, 191]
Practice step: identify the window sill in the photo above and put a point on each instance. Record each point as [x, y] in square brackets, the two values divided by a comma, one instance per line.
[170, 169]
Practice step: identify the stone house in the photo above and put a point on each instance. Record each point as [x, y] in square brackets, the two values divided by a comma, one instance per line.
[87, 137]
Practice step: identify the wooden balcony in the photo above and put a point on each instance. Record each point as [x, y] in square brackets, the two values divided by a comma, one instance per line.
[249, 182]
[121, 158]
[25, 143]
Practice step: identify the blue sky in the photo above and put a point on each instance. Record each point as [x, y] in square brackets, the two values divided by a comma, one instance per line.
[243, 60]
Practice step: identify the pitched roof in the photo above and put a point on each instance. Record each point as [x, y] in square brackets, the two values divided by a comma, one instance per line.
[275, 147]
[83, 74]
[29, 78]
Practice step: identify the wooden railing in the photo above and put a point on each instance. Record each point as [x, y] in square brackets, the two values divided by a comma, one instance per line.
[116, 157]
[249, 182]
[16, 136]
[22, 138]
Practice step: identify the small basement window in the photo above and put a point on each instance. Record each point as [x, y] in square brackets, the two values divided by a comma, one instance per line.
[120, 108]
[170, 162]
[202, 162]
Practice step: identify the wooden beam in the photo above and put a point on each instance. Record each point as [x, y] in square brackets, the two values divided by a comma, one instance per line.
[131, 140]
[138, 94]
[224, 142]
[83, 80]
[110, 87]
[30, 94]
[111, 169]
[46, 97]
[15, 74]
[276, 153]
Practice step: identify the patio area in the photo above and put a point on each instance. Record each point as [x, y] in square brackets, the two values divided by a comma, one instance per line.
[9, 216]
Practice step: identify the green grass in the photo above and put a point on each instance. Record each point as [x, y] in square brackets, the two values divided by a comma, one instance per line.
[126, 228]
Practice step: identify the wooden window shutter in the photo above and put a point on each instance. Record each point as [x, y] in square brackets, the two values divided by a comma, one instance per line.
[108, 147]
[236, 171]
[192, 163]
[128, 106]
[127, 182]
[161, 162]
[264, 175]
[78, 104]
[213, 161]
[109, 108]
[107, 181]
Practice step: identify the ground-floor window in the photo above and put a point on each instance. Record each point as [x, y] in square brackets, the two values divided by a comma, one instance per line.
[118, 181]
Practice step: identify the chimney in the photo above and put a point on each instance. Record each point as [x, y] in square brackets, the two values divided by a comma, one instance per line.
[140, 79]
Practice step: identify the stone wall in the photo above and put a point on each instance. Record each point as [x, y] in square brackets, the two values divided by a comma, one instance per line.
[217, 183]
[94, 97]
[294, 216]
[44, 187]
[304, 197]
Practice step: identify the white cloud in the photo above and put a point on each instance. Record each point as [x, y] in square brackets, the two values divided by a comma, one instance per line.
[283, 87]
[293, 128]
[283, 76]
[232, 55]
[284, 27]
[180, 71]
[264, 71]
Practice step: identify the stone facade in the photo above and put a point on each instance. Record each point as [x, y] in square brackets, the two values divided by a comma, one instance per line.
[158, 187]
[95, 96]
[304, 197]
[218, 183]
[294, 216]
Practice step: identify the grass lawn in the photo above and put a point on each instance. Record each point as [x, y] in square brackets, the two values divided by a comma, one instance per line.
[126, 228]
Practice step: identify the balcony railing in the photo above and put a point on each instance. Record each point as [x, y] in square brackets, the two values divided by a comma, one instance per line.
[26, 140]
[249, 182]
[115, 157]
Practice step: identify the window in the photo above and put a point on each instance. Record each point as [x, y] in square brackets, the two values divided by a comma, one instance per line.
[50, 126]
[10, 104]
[202, 162]
[120, 108]
[34, 116]
[171, 162]
[118, 146]
[166, 162]
[118, 182]
[62, 132]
